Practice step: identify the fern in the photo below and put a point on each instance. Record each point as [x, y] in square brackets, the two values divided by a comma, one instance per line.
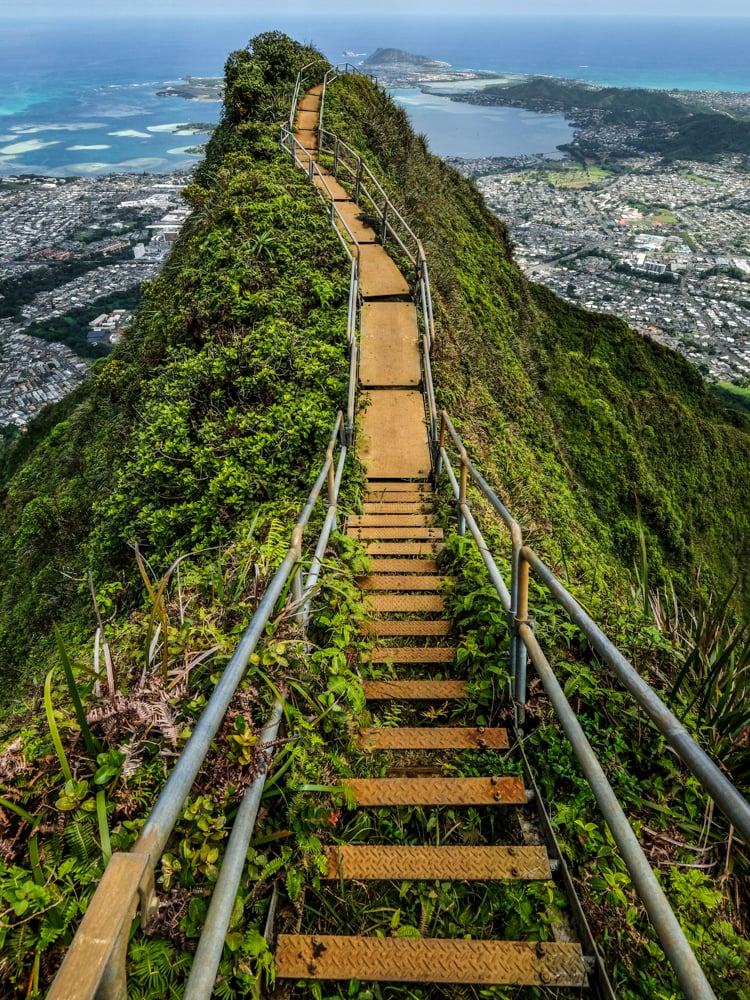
[79, 839]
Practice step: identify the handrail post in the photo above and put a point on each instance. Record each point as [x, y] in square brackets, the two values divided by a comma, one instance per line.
[297, 589]
[384, 216]
[358, 181]
[336, 157]
[521, 618]
[462, 494]
[441, 445]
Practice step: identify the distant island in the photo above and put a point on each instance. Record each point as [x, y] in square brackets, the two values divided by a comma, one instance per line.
[195, 88]
[395, 67]
[390, 58]
[621, 121]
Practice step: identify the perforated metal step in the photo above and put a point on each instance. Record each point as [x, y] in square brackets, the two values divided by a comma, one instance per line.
[376, 532]
[353, 861]
[414, 654]
[385, 581]
[410, 519]
[384, 626]
[397, 507]
[429, 960]
[405, 602]
[404, 565]
[431, 738]
[373, 547]
[414, 690]
[437, 791]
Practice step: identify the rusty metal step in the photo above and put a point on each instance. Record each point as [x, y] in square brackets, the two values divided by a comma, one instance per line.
[375, 532]
[414, 654]
[431, 738]
[385, 626]
[429, 960]
[405, 602]
[389, 548]
[380, 485]
[437, 791]
[405, 496]
[404, 565]
[413, 690]
[417, 520]
[353, 861]
[392, 507]
[384, 581]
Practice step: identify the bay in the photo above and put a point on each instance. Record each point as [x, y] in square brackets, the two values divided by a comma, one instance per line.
[78, 96]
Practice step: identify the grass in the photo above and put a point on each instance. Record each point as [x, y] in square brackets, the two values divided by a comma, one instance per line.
[690, 176]
[664, 218]
[735, 397]
[576, 178]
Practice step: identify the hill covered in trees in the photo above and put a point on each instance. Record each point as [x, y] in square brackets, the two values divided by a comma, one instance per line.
[199, 437]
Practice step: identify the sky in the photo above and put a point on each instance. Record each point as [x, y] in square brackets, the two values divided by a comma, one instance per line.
[389, 8]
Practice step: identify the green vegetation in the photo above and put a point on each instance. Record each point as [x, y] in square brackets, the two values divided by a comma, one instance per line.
[589, 429]
[180, 468]
[699, 179]
[693, 133]
[734, 396]
[622, 105]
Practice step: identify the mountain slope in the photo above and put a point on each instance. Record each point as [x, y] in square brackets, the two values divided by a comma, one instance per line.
[590, 430]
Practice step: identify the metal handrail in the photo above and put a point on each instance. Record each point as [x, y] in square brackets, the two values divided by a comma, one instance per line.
[94, 966]
[515, 601]
[302, 158]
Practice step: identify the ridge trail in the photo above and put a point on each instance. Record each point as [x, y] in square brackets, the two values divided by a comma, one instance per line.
[409, 613]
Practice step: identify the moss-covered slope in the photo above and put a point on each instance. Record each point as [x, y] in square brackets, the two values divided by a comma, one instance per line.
[589, 429]
[217, 406]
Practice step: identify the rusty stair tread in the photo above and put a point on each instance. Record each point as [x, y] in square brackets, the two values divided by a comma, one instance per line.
[431, 738]
[425, 626]
[354, 861]
[428, 566]
[375, 547]
[376, 532]
[397, 491]
[414, 654]
[437, 791]
[397, 507]
[405, 602]
[413, 690]
[429, 960]
[419, 520]
[387, 581]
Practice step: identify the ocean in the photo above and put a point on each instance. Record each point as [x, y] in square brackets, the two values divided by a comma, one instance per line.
[79, 96]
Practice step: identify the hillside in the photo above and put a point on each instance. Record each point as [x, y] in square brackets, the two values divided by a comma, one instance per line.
[160, 496]
[665, 125]
[592, 431]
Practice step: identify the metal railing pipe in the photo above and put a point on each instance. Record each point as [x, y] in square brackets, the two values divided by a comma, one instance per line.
[164, 815]
[205, 965]
[158, 827]
[492, 569]
[714, 781]
[689, 973]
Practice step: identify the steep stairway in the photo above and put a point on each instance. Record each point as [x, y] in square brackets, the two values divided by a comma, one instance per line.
[415, 684]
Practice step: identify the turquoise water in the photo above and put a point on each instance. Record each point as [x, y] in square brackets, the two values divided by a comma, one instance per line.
[78, 96]
[472, 131]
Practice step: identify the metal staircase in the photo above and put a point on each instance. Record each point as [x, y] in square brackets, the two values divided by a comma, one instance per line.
[403, 593]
